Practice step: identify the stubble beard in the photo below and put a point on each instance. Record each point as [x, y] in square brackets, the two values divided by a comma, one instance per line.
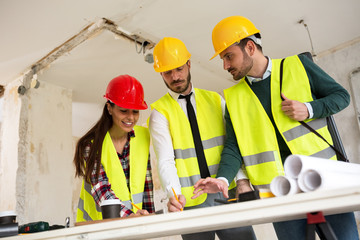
[248, 63]
[180, 89]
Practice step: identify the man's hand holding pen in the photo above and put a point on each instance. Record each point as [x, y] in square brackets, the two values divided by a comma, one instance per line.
[176, 203]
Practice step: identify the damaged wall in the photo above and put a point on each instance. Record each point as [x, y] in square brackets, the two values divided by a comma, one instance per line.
[9, 134]
[340, 63]
[45, 173]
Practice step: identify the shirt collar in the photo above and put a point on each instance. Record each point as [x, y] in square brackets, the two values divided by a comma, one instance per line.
[266, 74]
[175, 95]
[131, 134]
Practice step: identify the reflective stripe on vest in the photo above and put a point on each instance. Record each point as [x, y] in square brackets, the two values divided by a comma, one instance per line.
[82, 215]
[87, 208]
[211, 126]
[190, 181]
[190, 152]
[261, 154]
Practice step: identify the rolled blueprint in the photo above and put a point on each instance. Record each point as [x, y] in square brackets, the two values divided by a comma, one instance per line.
[322, 179]
[282, 185]
[297, 164]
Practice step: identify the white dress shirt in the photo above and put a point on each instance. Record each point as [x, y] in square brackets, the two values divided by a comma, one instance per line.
[163, 147]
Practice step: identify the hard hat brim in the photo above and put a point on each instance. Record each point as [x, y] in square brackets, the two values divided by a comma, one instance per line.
[142, 106]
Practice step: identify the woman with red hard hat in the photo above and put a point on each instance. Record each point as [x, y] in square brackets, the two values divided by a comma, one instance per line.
[117, 179]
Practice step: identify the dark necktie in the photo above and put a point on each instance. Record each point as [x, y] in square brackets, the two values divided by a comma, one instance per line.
[204, 170]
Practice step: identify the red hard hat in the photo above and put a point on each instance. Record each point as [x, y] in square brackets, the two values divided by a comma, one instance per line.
[126, 92]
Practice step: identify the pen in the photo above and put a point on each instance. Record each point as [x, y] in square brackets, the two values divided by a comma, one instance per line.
[135, 206]
[177, 199]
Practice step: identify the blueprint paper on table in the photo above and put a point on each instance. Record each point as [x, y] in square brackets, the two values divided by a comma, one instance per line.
[282, 185]
[304, 174]
[323, 179]
[296, 164]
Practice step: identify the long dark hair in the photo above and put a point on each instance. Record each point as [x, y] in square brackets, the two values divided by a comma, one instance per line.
[93, 137]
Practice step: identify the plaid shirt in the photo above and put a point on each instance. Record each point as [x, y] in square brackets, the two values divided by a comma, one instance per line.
[101, 187]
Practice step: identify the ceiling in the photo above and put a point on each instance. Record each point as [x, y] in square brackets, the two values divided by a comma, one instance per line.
[34, 28]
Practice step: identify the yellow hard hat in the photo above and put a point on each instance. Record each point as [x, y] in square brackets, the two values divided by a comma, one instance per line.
[231, 30]
[170, 53]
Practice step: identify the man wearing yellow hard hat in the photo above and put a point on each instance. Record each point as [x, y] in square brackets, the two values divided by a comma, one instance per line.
[262, 116]
[187, 130]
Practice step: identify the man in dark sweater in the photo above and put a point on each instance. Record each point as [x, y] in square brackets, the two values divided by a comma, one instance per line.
[263, 114]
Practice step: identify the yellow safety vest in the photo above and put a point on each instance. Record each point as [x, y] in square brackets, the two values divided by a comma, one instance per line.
[211, 126]
[255, 132]
[139, 155]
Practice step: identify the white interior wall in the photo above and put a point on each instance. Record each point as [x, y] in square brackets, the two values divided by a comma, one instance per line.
[45, 172]
[355, 87]
[9, 134]
[1, 106]
[340, 63]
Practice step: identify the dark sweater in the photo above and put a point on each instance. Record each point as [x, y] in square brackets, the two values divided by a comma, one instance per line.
[329, 98]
